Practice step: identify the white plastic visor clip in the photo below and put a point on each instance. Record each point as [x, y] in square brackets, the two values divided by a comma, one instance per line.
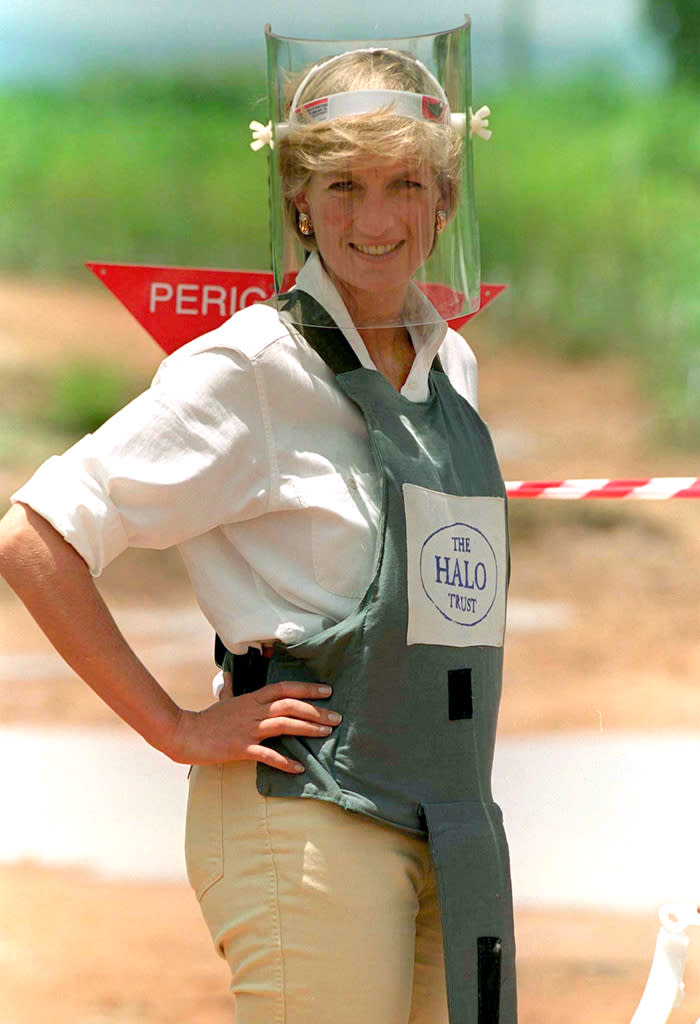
[479, 123]
[262, 135]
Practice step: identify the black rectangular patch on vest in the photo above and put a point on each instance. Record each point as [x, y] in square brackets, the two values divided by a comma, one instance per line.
[489, 954]
[459, 688]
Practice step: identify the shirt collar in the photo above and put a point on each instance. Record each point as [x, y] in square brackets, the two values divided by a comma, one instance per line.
[427, 336]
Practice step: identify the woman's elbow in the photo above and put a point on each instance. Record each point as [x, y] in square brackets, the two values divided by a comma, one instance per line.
[29, 543]
[13, 530]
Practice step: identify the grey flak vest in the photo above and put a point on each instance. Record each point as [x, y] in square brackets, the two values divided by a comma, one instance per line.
[416, 669]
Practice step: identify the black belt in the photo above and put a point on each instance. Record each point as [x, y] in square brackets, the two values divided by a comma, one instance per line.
[249, 670]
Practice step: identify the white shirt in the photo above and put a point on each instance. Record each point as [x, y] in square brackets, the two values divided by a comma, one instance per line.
[246, 455]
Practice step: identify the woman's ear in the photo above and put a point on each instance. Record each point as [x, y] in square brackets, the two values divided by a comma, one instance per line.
[447, 196]
[301, 203]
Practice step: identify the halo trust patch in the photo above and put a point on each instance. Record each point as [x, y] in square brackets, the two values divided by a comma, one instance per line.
[457, 568]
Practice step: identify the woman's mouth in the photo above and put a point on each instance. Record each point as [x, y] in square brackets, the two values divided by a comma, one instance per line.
[376, 250]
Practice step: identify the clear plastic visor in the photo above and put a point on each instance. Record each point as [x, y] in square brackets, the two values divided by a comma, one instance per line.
[372, 196]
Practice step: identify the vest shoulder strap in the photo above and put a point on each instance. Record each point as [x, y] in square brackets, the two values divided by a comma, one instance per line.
[321, 332]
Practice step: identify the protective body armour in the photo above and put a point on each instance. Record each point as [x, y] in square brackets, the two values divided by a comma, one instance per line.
[416, 669]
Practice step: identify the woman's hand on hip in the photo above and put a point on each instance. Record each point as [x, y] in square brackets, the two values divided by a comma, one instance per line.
[233, 729]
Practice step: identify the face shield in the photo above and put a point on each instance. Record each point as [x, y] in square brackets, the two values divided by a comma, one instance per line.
[371, 174]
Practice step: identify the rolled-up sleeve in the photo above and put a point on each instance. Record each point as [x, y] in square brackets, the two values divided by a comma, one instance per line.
[186, 456]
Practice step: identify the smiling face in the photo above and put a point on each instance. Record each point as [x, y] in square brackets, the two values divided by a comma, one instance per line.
[374, 227]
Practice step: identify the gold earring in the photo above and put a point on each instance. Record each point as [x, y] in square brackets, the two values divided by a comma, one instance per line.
[305, 225]
[440, 221]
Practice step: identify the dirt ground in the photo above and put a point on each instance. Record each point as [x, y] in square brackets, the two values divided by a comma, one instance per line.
[605, 635]
[75, 950]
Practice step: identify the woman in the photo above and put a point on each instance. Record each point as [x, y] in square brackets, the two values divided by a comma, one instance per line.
[339, 509]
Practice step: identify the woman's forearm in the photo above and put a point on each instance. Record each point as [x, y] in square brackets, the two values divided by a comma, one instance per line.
[55, 585]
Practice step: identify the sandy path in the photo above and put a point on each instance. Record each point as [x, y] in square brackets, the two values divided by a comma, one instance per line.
[75, 950]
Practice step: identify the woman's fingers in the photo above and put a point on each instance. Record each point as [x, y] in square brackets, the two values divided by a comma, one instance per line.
[270, 727]
[277, 691]
[234, 728]
[290, 708]
[268, 756]
[285, 701]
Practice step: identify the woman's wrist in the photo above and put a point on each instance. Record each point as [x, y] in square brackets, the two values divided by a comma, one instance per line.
[178, 744]
[139, 700]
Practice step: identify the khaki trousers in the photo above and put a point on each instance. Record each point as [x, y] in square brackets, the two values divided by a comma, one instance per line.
[323, 915]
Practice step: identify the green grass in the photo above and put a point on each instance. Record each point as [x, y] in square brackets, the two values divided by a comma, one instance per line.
[588, 200]
[44, 409]
[83, 395]
[589, 206]
[137, 170]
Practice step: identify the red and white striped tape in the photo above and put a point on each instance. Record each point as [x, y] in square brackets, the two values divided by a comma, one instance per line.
[653, 488]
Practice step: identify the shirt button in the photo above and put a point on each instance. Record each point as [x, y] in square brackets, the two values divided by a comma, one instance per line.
[288, 632]
[352, 483]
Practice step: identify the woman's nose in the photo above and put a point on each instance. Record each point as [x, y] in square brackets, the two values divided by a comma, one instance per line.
[373, 215]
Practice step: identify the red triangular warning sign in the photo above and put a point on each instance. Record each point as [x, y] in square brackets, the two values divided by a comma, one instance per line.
[177, 304]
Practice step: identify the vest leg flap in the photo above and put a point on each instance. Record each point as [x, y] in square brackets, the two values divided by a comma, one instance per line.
[470, 855]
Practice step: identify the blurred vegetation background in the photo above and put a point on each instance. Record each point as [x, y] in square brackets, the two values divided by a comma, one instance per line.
[588, 196]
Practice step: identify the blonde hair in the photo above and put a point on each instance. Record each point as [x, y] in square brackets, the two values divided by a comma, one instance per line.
[378, 138]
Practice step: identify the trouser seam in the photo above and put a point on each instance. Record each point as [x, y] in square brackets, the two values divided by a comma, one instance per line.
[276, 917]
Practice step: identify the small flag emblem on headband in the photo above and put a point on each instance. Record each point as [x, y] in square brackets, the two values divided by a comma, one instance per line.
[433, 109]
[316, 109]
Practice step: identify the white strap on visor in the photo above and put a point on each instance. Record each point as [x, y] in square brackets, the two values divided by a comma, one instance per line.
[367, 101]
[418, 106]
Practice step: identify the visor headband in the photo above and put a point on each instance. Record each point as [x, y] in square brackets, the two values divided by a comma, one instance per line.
[418, 106]
[366, 101]
[439, 91]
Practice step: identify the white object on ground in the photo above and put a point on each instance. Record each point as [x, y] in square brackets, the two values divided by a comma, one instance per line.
[664, 988]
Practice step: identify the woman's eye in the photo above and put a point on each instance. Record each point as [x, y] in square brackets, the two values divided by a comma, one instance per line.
[341, 186]
[411, 185]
